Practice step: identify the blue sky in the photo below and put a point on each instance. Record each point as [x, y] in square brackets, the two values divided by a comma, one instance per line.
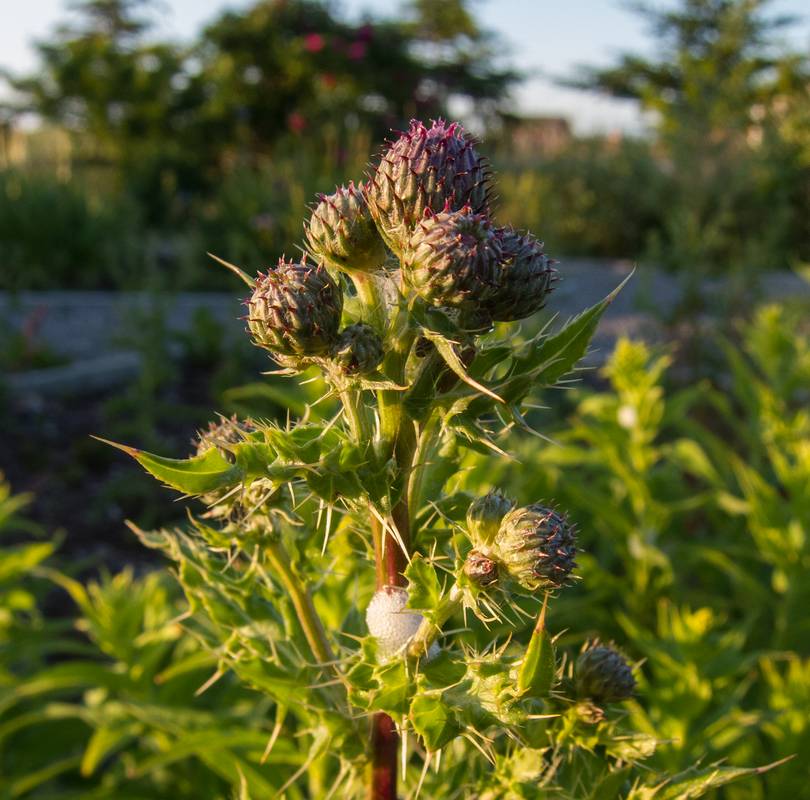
[544, 38]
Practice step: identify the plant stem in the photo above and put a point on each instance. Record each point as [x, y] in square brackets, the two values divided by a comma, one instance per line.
[384, 744]
[302, 602]
[370, 298]
[429, 630]
[421, 461]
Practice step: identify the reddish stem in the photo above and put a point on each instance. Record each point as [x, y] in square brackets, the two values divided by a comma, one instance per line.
[385, 743]
[390, 564]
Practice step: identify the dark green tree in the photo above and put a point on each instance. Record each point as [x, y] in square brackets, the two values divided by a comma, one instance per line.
[285, 66]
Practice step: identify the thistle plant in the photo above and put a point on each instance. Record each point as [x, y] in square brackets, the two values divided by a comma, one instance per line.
[334, 565]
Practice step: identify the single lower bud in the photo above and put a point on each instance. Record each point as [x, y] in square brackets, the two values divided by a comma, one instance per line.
[536, 545]
[603, 675]
[481, 570]
[390, 622]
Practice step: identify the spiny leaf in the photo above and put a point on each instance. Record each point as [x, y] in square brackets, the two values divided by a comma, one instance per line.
[236, 271]
[697, 782]
[424, 589]
[203, 473]
[536, 674]
[434, 721]
[448, 352]
[549, 358]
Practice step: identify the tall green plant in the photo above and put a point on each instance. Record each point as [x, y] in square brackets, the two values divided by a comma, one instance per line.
[405, 312]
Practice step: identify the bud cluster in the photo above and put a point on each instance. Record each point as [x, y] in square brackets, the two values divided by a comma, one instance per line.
[534, 545]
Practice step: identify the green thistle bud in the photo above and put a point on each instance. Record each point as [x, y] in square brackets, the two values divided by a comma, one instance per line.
[225, 503]
[425, 169]
[480, 569]
[536, 546]
[452, 258]
[359, 349]
[603, 675]
[227, 431]
[484, 517]
[342, 232]
[525, 277]
[295, 309]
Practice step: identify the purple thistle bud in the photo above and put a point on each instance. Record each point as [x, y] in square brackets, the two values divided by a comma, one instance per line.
[603, 675]
[452, 258]
[525, 277]
[425, 169]
[295, 309]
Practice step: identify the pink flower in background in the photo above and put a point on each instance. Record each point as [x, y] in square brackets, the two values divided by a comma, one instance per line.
[314, 42]
[366, 33]
[296, 122]
[356, 50]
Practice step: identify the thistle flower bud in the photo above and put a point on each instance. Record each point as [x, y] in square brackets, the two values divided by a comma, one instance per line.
[359, 349]
[227, 430]
[484, 516]
[295, 309]
[342, 232]
[603, 675]
[536, 546]
[451, 258]
[227, 504]
[525, 277]
[425, 169]
[480, 569]
[390, 622]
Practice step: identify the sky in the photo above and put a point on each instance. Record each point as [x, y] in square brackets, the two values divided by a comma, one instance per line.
[543, 39]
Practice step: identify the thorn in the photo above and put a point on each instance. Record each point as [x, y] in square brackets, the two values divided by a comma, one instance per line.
[130, 451]
[236, 271]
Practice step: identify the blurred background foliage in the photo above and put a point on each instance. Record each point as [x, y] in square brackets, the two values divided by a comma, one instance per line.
[689, 481]
[153, 151]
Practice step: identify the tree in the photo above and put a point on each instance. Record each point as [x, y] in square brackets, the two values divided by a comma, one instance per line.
[284, 66]
[714, 86]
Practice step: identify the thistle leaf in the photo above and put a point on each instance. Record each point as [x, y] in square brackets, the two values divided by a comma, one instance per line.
[424, 590]
[695, 782]
[197, 475]
[433, 721]
[549, 358]
[539, 665]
